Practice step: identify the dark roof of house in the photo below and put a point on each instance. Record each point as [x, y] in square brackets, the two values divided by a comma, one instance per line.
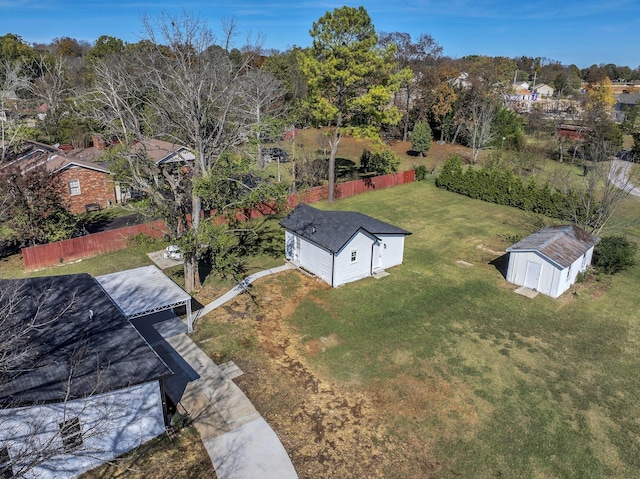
[81, 345]
[31, 154]
[561, 244]
[629, 98]
[333, 229]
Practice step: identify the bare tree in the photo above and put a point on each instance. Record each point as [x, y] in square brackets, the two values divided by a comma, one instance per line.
[479, 121]
[180, 86]
[13, 80]
[606, 183]
[262, 102]
[52, 89]
[420, 56]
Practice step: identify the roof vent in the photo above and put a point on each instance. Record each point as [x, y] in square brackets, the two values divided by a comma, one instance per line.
[91, 314]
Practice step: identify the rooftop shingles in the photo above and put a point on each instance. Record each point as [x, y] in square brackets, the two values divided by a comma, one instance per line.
[561, 244]
[332, 229]
[84, 340]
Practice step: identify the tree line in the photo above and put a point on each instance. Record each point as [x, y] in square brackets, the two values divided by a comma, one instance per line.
[184, 84]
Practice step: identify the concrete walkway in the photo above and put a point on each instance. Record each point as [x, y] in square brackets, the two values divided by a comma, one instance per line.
[240, 289]
[239, 441]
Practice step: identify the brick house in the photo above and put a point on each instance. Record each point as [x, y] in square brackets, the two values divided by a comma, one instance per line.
[85, 185]
[82, 182]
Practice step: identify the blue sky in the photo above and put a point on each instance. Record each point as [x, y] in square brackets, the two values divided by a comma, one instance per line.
[581, 32]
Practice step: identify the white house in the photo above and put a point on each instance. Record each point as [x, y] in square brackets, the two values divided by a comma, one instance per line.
[83, 386]
[549, 260]
[341, 246]
[544, 90]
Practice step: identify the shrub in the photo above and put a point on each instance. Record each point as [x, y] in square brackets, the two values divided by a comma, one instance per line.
[421, 137]
[421, 172]
[614, 254]
[381, 162]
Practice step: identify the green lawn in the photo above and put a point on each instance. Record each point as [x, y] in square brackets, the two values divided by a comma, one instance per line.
[487, 382]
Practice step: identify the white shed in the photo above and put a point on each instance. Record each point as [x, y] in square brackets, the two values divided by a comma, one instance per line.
[85, 387]
[341, 246]
[549, 260]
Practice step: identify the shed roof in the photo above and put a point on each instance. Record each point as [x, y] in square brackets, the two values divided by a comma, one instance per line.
[82, 344]
[333, 229]
[143, 291]
[560, 244]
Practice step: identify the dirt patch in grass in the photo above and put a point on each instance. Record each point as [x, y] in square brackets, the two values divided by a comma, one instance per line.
[320, 345]
[330, 429]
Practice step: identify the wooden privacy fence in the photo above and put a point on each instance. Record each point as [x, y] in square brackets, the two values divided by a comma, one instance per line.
[42, 256]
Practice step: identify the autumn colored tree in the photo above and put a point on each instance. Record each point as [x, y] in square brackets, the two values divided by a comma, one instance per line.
[443, 99]
[350, 80]
[33, 206]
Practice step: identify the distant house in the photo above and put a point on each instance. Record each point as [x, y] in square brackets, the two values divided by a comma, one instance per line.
[341, 246]
[84, 387]
[164, 152]
[549, 260]
[86, 183]
[544, 90]
[626, 101]
[83, 182]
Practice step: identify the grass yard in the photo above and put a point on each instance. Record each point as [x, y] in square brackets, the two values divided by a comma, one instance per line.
[440, 370]
[527, 388]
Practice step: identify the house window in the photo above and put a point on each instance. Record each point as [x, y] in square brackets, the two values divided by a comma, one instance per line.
[71, 433]
[354, 255]
[74, 187]
[569, 272]
[6, 471]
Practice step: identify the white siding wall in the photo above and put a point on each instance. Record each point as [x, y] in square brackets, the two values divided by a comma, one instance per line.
[345, 270]
[518, 269]
[553, 281]
[316, 260]
[568, 276]
[393, 254]
[112, 424]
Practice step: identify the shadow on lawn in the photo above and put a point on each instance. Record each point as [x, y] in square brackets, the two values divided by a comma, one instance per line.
[501, 264]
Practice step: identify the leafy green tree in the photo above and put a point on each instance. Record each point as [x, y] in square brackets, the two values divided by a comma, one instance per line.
[614, 254]
[105, 46]
[507, 126]
[350, 80]
[421, 137]
[13, 48]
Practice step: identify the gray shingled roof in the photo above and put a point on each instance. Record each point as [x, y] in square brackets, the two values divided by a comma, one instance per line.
[332, 229]
[90, 341]
[561, 244]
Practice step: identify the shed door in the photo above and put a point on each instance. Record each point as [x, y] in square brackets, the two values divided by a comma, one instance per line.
[532, 275]
[376, 261]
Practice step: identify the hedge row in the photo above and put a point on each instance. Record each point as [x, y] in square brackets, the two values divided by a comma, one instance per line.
[504, 187]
